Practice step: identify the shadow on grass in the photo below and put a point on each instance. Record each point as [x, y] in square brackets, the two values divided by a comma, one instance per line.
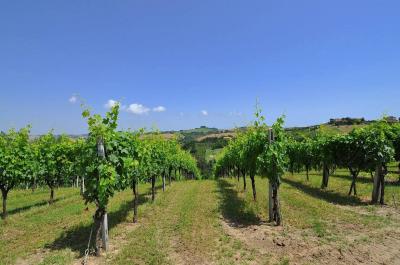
[76, 238]
[233, 208]
[360, 179]
[329, 196]
[28, 207]
[365, 178]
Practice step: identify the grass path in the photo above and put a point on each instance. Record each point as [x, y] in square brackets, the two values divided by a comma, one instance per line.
[184, 228]
[209, 222]
[36, 232]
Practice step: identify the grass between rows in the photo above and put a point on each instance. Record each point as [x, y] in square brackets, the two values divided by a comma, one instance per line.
[63, 227]
[183, 225]
[305, 206]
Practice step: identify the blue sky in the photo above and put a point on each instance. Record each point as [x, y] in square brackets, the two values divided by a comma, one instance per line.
[205, 62]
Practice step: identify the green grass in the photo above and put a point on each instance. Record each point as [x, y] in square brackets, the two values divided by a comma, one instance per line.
[33, 224]
[211, 154]
[184, 224]
[306, 206]
[183, 221]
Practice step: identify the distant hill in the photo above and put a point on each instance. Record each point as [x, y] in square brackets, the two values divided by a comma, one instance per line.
[333, 126]
[200, 130]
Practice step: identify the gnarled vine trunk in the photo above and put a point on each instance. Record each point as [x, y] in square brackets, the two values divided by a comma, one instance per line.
[253, 186]
[378, 191]
[51, 201]
[101, 230]
[354, 174]
[325, 177]
[244, 179]
[163, 181]
[4, 194]
[169, 176]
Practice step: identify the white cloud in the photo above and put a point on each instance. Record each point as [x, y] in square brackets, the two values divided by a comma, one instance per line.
[137, 109]
[111, 103]
[235, 113]
[159, 109]
[204, 112]
[134, 108]
[73, 99]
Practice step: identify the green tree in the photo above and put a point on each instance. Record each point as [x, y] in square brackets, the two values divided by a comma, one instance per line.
[272, 163]
[101, 160]
[128, 152]
[55, 160]
[15, 161]
[256, 137]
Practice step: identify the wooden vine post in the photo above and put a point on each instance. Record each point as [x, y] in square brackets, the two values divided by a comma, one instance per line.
[378, 190]
[82, 186]
[274, 210]
[270, 190]
[101, 214]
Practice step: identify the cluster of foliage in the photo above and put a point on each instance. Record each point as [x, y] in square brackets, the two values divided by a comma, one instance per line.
[363, 149]
[54, 161]
[117, 160]
[108, 160]
[302, 155]
[16, 164]
[258, 150]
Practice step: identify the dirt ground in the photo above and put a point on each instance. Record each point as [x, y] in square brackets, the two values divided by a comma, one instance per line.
[294, 246]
